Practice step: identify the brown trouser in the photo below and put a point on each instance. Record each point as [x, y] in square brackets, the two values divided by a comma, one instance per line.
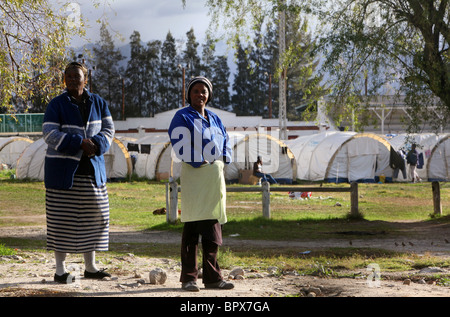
[211, 232]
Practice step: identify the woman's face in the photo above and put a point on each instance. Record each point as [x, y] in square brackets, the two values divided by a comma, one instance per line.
[75, 81]
[199, 95]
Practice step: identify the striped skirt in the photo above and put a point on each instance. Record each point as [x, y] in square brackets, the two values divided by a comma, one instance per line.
[78, 218]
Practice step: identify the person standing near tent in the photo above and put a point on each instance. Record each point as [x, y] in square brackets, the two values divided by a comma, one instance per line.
[257, 171]
[78, 129]
[411, 158]
[200, 141]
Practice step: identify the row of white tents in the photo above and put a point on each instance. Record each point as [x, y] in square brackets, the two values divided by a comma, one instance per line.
[329, 157]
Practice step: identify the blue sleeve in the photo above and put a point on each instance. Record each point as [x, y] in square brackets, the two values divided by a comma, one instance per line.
[68, 143]
[105, 137]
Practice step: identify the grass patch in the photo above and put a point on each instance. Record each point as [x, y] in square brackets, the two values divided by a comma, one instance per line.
[132, 204]
[6, 251]
[325, 216]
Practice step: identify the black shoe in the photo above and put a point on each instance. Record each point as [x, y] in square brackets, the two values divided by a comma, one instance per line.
[97, 275]
[220, 285]
[66, 278]
[190, 286]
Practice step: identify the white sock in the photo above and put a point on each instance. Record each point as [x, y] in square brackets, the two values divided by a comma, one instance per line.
[89, 262]
[60, 259]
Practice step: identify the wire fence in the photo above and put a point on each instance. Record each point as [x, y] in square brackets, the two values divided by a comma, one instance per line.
[22, 122]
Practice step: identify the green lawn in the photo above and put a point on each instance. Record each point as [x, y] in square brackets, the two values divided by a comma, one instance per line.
[132, 204]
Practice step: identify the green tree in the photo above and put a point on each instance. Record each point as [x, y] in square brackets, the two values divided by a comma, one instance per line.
[371, 43]
[241, 99]
[303, 80]
[208, 58]
[170, 76]
[242, 21]
[108, 76]
[190, 55]
[271, 59]
[152, 77]
[33, 41]
[220, 73]
[260, 65]
[135, 76]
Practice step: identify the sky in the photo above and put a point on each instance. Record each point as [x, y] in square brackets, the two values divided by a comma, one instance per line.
[153, 19]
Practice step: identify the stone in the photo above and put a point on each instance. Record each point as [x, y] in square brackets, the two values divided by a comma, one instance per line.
[158, 276]
[315, 290]
[237, 272]
[421, 281]
[431, 270]
[272, 269]
[407, 281]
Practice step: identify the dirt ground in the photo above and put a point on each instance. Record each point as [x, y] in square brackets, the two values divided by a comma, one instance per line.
[31, 274]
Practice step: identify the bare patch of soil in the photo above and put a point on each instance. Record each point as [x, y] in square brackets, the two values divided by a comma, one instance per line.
[31, 274]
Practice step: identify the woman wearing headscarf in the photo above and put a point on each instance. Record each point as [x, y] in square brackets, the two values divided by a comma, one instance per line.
[199, 139]
[78, 130]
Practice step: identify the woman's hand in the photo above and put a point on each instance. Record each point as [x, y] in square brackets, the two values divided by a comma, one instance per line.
[89, 148]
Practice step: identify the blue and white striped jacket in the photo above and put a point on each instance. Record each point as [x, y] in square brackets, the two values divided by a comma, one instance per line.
[63, 131]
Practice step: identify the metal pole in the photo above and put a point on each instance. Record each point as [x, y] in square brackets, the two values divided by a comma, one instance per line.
[282, 81]
[270, 96]
[184, 89]
[123, 99]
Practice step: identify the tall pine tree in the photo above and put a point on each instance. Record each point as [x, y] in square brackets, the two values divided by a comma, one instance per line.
[107, 76]
[152, 77]
[190, 56]
[302, 82]
[241, 99]
[208, 58]
[220, 73]
[170, 98]
[135, 77]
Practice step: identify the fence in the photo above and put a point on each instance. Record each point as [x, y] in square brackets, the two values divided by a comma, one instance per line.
[172, 190]
[21, 122]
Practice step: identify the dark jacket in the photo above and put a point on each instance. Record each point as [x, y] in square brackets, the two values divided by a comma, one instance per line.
[63, 131]
[412, 157]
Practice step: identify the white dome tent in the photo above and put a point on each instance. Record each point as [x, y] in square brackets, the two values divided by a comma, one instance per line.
[118, 161]
[150, 148]
[278, 160]
[167, 165]
[438, 164]
[312, 156]
[363, 157]
[31, 162]
[11, 148]
[426, 142]
[341, 157]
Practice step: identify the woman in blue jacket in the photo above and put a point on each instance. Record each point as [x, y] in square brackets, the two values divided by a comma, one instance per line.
[78, 130]
[200, 141]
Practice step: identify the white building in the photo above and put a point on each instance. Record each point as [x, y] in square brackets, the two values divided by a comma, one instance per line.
[139, 127]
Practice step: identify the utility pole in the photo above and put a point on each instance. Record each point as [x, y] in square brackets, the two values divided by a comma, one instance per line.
[282, 82]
